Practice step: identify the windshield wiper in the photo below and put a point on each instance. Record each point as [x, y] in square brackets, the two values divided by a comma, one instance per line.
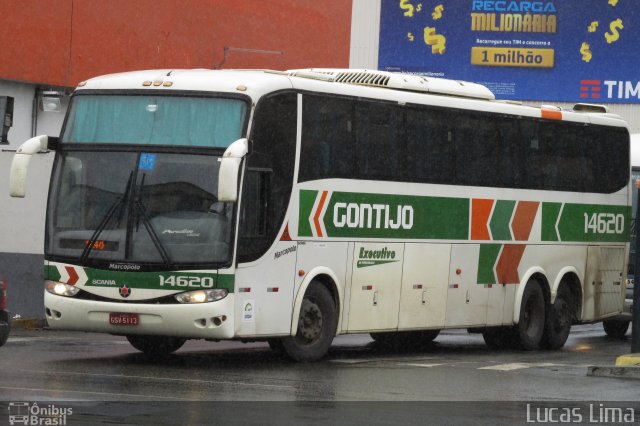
[117, 205]
[141, 212]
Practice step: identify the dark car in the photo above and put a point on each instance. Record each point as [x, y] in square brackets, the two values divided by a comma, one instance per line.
[618, 325]
[5, 318]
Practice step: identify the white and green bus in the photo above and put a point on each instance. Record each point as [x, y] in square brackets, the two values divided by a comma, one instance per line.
[291, 207]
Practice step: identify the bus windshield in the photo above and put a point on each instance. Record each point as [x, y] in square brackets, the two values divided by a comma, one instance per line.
[154, 208]
[155, 120]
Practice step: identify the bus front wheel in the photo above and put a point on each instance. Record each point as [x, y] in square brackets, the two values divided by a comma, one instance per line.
[316, 326]
[156, 346]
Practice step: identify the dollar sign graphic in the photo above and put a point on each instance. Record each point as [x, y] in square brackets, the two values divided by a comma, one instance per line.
[614, 26]
[436, 41]
[437, 12]
[586, 53]
[407, 7]
[419, 7]
[593, 27]
[410, 36]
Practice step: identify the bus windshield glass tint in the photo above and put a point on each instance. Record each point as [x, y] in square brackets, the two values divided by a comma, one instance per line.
[155, 120]
[144, 207]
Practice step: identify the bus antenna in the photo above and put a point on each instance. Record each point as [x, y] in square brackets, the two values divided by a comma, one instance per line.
[228, 49]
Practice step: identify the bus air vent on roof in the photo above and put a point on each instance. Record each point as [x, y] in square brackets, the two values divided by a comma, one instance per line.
[581, 107]
[408, 82]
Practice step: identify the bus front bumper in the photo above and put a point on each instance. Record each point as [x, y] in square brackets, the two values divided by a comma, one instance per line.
[212, 320]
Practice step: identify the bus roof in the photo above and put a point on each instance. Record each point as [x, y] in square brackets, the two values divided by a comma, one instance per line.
[402, 88]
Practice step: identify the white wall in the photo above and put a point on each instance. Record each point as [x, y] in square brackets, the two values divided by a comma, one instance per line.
[47, 123]
[22, 219]
[365, 31]
[22, 107]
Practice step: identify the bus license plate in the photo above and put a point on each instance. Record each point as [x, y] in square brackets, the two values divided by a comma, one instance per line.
[120, 318]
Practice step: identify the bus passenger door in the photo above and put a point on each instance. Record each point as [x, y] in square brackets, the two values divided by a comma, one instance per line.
[425, 279]
[466, 299]
[375, 286]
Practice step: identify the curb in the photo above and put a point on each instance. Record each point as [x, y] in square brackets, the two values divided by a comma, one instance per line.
[627, 372]
[628, 360]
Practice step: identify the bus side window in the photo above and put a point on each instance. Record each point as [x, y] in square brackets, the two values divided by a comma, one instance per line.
[429, 148]
[378, 142]
[327, 148]
[478, 150]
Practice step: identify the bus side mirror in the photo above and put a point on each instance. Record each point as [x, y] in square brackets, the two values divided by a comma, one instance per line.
[20, 164]
[229, 169]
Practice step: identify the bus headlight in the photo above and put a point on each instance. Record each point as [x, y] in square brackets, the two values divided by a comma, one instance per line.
[61, 289]
[202, 296]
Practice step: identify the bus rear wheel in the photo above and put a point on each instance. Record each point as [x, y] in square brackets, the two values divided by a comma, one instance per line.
[558, 321]
[317, 325]
[532, 317]
[156, 346]
[615, 329]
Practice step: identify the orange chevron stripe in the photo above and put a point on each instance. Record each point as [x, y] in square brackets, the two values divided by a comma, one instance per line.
[507, 267]
[316, 217]
[523, 219]
[480, 213]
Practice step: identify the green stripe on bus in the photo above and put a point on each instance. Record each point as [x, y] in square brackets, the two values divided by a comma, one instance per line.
[487, 260]
[307, 199]
[150, 280]
[594, 223]
[365, 215]
[500, 219]
[550, 212]
[51, 273]
[585, 223]
[358, 215]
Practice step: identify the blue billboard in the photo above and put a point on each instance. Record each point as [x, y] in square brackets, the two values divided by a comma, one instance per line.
[562, 50]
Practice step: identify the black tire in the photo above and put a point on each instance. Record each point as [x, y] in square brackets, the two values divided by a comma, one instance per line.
[316, 326]
[532, 317]
[427, 336]
[276, 346]
[615, 329]
[156, 346]
[501, 338]
[559, 318]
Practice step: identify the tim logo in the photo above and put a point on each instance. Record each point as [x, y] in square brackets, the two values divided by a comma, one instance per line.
[610, 89]
[590, 89]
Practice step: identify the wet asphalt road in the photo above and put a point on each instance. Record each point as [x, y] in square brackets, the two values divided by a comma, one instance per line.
[94, 370]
